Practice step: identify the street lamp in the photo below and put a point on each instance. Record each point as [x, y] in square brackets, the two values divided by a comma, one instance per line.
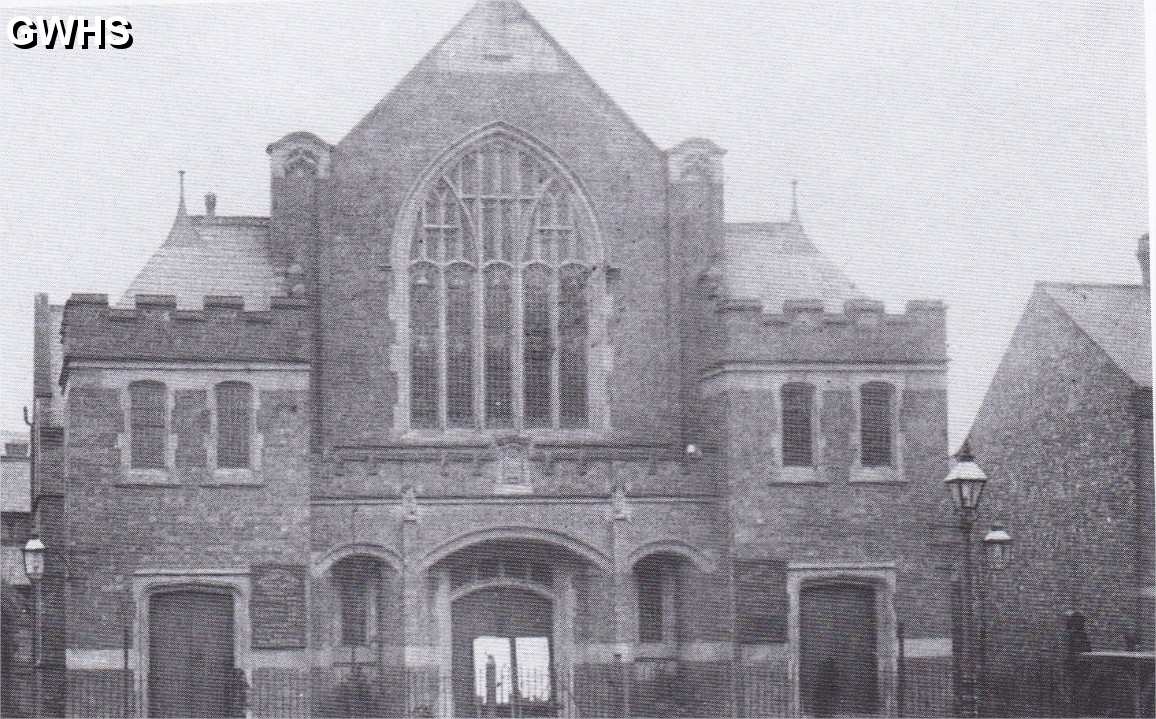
[33, 552]
[965, 483]
[34, 559]
[998, 546]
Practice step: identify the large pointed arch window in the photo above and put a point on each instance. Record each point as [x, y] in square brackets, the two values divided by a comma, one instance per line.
[499, 267]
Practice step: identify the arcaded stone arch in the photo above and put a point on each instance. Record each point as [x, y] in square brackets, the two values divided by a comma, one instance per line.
[703, 561]
[535, 534]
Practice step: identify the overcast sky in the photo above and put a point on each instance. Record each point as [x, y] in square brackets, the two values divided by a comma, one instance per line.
[954, 150]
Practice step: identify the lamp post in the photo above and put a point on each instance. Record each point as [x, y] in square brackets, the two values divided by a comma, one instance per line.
[965, 483]
[34, 567]
[997, 548]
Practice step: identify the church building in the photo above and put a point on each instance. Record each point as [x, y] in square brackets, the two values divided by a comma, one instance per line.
[494, 414]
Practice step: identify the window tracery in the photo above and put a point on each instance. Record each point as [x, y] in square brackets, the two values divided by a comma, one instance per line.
[498, 312]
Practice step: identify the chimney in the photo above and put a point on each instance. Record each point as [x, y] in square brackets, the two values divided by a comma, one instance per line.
[211, 205]
[1142, 255]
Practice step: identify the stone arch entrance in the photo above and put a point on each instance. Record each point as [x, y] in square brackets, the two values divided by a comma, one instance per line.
[512, 627]
[503, 640]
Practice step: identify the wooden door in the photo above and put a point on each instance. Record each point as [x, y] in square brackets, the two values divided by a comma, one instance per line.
[838, 659]
[191, 663]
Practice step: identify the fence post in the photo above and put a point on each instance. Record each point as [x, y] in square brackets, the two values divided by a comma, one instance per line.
[901, 680]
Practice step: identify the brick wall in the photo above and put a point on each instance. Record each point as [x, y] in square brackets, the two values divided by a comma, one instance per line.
[119, 525]
[377, 164]
[1058, 436]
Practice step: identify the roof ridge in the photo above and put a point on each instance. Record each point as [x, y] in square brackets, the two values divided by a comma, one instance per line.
[1119, 285]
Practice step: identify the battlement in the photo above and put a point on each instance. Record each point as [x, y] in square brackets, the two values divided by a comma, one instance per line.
[805, 332]
[154, 329]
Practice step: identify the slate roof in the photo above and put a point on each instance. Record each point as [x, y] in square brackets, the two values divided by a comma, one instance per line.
[1118, 318]
[211, 256]
[775, 261]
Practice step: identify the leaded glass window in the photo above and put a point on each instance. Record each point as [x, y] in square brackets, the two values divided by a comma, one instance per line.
[876, 424]
[148, 409]
[503, 341]
[233, 417]
[798, 440]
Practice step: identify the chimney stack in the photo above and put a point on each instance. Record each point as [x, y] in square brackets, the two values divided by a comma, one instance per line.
[211, 205]
[1142, 255]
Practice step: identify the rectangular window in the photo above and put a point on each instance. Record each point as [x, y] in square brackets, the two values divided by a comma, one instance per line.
[233, 400]
[798, 442]
[876, 419]
[147, 412]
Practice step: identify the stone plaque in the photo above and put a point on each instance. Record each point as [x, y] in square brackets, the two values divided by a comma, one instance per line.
[277, 606]
[761, 591]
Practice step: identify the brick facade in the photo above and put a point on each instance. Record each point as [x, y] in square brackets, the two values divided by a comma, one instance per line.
[1065, 435]
[678, 466]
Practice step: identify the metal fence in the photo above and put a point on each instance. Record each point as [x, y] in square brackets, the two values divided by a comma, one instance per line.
[640, 689]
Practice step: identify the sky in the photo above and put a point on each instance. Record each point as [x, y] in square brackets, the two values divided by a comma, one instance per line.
[952, 150]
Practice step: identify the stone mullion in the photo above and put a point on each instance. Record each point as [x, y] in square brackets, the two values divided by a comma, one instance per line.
[555, 348]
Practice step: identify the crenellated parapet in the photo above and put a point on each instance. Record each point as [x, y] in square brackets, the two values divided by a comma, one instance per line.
[862, 333]
[155, 329]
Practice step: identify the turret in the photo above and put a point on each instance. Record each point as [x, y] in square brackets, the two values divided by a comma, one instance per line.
[695, 174]
[298, 167]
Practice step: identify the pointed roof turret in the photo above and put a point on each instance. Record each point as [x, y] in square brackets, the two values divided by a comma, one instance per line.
[209, 255]
[795, 202]
[182, 234]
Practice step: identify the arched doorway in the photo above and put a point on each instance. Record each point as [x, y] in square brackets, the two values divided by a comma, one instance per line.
[516, 618]
[503, 647]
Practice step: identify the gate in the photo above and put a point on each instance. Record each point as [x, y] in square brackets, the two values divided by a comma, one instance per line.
[503, 654]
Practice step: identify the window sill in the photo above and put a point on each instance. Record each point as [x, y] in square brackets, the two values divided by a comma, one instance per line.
[233, 477]
[656, 650]
[799, 475]
[876, 475]
[487, 437]
[148, 477]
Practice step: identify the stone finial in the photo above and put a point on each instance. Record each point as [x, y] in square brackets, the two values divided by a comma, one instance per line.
[695, 160]
[211, 205]
[299, 150]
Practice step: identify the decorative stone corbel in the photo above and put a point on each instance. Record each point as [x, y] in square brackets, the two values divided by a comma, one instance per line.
[619, 504]
[409, 504]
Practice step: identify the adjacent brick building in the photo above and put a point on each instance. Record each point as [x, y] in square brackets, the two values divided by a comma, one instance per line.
[17, 618]
[494, 409]
[1065, 434]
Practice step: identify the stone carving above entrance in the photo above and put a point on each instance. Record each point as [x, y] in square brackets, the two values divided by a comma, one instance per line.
[513, 466]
